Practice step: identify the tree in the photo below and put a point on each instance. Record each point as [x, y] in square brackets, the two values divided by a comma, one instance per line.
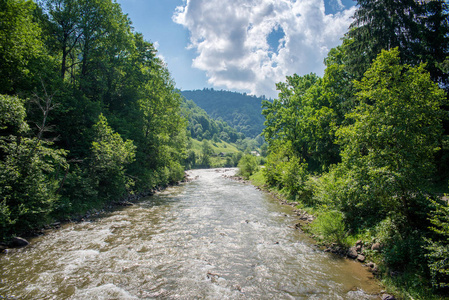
[90, 38]
[110, 155]
[383, 25]
[206, 152]
[303, 116]
[436, 40]
[420, 30]
[389, 147]
[20, 44]
[65, 17]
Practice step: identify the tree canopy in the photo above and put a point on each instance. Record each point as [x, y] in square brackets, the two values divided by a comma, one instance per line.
[96, 115]
[367, 142]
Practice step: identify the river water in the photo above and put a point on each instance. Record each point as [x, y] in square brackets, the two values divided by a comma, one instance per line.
[211, 238]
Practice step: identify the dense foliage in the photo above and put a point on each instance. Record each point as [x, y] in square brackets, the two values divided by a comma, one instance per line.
[366, 144]
[202, 126]
[89, 114]
[248, 165]
[213, 143]
[240, 111]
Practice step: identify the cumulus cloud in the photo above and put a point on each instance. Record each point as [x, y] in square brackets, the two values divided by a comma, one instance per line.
[232, 44]
[159, 55]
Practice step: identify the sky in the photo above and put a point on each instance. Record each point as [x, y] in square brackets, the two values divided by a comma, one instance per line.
[240, 45]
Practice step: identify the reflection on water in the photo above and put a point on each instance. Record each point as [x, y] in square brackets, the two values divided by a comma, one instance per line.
[211, 238]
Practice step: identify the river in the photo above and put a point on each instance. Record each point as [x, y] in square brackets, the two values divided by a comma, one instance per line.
[210, 238]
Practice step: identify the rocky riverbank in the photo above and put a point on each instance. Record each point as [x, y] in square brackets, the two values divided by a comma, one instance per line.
[357, 252]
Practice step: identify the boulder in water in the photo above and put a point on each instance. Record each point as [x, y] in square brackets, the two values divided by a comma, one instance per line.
[352, 253]
[18, 242]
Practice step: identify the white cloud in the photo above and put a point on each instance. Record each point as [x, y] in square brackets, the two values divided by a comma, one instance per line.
[231, 39]
[158, 54]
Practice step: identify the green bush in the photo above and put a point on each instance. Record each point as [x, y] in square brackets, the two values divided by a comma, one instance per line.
[78, 193]
[293, 175]
[438, 246]
[330, 226]
[248, 165]
[354, 193]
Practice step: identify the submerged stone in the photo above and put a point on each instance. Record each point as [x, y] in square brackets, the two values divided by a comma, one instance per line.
[18, 242]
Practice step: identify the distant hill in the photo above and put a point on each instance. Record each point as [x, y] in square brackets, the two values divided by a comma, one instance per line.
[240, 111]
[222, 143]
[202, 126]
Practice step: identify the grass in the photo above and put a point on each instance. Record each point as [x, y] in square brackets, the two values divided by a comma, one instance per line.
[216, 147]
[216, 160]
[257, 179]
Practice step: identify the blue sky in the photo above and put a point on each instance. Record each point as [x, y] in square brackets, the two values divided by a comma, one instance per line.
[240, 45]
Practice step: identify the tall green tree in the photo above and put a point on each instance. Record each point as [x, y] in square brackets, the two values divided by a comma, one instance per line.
[383, 25]
[419, 29]
[64, 17]
[20, 45]
[110, 155]
[303, 116]
[391, 142]
[206, 152]
[436, 40]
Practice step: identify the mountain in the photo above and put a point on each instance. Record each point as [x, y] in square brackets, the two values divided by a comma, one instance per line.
[202, 126]
[240, 111]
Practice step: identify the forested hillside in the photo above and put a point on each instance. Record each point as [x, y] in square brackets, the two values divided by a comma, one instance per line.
[365, 147]
[213, 143]
[240, 111]
[88, 113]
[202, 126]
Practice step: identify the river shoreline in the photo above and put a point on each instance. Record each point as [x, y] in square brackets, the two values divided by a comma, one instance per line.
[355, 253]
[212, 238]
[21, 240]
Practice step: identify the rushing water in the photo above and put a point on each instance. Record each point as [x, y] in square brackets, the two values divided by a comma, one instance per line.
[211, 238]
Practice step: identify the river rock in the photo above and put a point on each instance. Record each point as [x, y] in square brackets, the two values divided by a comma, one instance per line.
[56, 225]
[18, 242]
[352, 253]
[373, 267]
[213, 276]
[376, 247]
[124, 203]
[361, 258]
[388, 297]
